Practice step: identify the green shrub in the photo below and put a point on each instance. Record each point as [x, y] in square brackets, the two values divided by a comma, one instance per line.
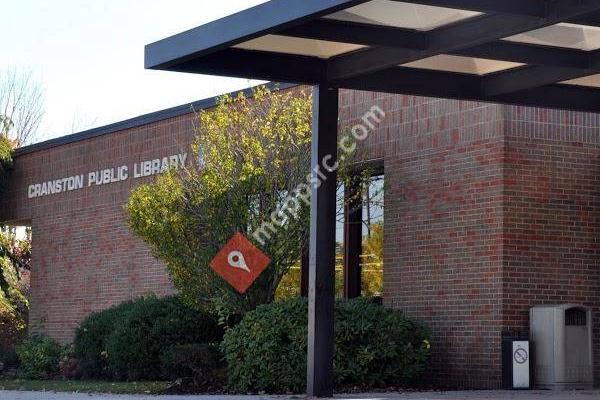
[374, 347]
[200, 362]
[147, 328]
[9, 359]
[39, 357]
[126, 342]
[68, 367]
[12, 331]
[90, 340]
[266, 351]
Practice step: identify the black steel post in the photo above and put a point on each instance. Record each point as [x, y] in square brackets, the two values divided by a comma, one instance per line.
[304, 261]
[352, 240]
[322, 243]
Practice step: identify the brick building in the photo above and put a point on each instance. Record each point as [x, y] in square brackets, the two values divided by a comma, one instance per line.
[489, 209]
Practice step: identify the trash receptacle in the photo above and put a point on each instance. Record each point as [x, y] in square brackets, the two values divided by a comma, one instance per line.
[516, 360]
[562, 335]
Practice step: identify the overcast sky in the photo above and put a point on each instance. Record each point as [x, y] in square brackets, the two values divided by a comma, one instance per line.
[89, 57]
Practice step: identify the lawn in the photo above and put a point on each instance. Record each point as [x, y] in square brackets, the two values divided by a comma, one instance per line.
[85, 386]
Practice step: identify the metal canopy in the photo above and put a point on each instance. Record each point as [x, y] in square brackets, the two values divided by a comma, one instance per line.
[529, 52]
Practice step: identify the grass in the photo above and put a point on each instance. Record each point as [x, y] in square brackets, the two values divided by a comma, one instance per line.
[85, 386]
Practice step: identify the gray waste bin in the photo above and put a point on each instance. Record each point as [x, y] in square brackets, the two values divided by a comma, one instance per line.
[562, 338]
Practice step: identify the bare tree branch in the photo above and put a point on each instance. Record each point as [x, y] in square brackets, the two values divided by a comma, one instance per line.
[22, 106]
[81, 122]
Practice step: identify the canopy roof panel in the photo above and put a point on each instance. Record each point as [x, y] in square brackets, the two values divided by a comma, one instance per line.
[402, 15]
[298, 46]
[562, 35]
[531, 52]
[461, 64]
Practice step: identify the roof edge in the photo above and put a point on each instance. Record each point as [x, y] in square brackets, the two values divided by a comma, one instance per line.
[141, 120]
[264, 18]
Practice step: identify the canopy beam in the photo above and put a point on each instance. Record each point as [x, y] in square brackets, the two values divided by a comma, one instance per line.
[537, 76]
[528, 54]
[383, 36]
[470, 33]
[358, 33]
[417, 82]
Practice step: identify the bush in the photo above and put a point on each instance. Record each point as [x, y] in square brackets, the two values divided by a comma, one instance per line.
[68, 367]
[374, 347]
[39, 357]
[90, 340]
[127, 341]
[12, 331]
[200, 362]
[148, 328]
[9, 362]
[266, 351]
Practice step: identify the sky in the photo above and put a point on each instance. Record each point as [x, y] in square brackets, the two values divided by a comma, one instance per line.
[89, 57]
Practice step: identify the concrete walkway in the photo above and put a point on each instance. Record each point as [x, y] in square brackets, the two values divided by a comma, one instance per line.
[474, 395]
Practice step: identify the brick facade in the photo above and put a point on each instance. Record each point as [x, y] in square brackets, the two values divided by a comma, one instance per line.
[551, 218]
[84, 257]
[489, 209]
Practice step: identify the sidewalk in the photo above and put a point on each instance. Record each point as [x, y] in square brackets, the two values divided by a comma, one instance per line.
[472, 395]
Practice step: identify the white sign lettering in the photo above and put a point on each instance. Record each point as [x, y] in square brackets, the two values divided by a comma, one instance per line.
[107, 176]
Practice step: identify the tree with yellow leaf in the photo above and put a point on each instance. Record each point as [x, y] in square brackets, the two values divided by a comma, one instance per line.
[252, 153]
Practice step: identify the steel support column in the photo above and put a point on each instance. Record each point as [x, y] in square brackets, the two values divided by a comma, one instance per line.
[352, 240]
[322, 243]
[304, 261]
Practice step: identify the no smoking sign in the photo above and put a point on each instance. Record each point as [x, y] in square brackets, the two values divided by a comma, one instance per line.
[520, 353]
[521, 356]
[240, 262]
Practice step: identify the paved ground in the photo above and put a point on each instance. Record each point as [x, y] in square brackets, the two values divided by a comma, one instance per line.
[476, 395]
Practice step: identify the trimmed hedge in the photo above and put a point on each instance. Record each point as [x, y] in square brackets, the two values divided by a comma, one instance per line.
[201, 363]
[89, 347]
[374, 347]
[126, 342]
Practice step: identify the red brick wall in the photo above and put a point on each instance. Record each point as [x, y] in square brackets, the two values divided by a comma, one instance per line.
[84, 257]
[551, 214]
[489, 210]
[443, 228]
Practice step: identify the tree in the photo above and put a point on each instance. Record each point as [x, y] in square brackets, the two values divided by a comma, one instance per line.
[372, 261]
[5, 160]
[21, 110]
[253, 177]
[21, 106]
[15, 257]
[252, 153]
